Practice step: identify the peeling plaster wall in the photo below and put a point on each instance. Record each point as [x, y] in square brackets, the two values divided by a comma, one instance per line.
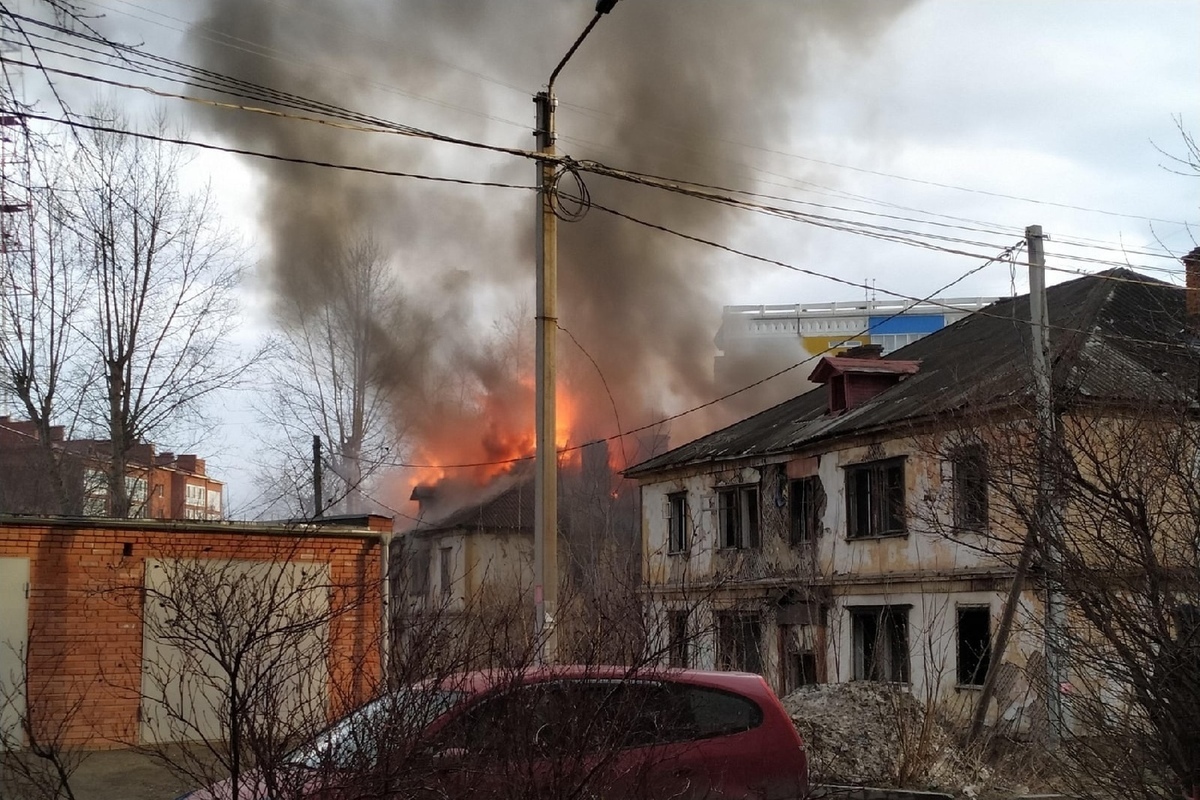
[927, 569]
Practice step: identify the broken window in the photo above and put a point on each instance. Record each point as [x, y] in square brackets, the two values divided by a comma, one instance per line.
[974, 644]
[677, 639]
[739, 642]
[880, 643]
[799, 657]
[807, 502]
[875, 498]
[738, 517]
[970, 465]
[677, 522]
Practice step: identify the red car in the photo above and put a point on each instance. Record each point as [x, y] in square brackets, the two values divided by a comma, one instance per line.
[553, 732]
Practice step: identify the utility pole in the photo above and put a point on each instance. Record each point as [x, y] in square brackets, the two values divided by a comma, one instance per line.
[1047, 512]
[545, 492]
[318, 491]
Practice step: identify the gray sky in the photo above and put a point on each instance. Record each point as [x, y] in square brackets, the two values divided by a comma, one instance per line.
[968, 120]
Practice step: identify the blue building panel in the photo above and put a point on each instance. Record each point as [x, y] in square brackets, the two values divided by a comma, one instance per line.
[908, 323]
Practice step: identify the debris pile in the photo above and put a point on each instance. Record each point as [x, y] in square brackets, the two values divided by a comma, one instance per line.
[878, 735]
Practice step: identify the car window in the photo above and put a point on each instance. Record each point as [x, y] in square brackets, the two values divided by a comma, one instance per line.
[660, 714]
[358, 737]
[486, 727]
[718, 713]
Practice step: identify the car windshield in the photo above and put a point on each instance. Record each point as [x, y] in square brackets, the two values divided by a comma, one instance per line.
[357, 737]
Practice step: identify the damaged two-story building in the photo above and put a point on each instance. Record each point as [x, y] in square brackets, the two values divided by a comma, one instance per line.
[857, 532]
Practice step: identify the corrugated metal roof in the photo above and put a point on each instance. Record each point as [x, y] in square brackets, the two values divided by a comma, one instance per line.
[1115, 336]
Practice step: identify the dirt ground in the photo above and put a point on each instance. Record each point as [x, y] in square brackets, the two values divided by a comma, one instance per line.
[106, 775]
[124, 775]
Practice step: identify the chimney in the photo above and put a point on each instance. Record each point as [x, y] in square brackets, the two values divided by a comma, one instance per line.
[426, 498]
[1191, 263]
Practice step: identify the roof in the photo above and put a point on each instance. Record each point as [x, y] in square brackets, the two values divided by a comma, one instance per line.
[1115, 336]
[510, 509]
[840, 365]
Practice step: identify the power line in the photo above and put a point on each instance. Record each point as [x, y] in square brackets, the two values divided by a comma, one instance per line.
[229, 85]
[270, 156]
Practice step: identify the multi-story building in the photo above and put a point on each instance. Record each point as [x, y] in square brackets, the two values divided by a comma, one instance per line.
[874, 527]
[159, 485]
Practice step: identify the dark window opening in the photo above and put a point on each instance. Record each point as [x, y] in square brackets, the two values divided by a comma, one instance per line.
[677, 639]
[875, 499]
[677, 523]
[970, 464]
[445, 568]
[739, 643]
[801, 671]
[738, 517]
[807, 503]
[418, 572]
[880, 643]
[1187, 625]
[974, 645]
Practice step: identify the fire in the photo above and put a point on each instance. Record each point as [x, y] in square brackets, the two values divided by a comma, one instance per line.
[493, 436]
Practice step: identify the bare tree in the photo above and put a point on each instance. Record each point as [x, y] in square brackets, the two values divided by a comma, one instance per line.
[162, 274]
[241, 659]
[42, 297]
[1116, 543]
[339, 357]
[37, 758]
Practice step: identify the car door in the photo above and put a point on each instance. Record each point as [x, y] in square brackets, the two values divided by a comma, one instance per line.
[493, 749]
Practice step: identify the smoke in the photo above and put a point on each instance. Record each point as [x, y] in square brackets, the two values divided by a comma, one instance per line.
[660, 86]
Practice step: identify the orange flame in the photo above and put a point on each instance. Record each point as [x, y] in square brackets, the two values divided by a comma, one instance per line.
[476, 447]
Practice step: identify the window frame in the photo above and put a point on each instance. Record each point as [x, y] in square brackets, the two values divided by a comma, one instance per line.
[419, 567]
[982, 660]
[970, 481]
[739, 517]
[869, 659]
[880, 478]
[735, 630]
[678, 639]
[806, 502]
[445, 570]
[678, 523]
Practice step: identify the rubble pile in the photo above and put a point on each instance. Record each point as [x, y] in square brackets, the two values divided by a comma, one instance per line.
[877, 735]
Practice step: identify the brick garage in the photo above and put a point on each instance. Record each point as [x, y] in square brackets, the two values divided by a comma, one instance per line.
[78, 585]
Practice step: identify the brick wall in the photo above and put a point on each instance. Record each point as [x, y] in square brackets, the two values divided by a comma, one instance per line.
[84, 610]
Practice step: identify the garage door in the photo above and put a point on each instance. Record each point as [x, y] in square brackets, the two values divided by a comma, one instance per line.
[14, 630]
[200, 616]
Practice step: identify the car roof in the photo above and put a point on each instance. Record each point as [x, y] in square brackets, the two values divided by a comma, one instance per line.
[482, 681]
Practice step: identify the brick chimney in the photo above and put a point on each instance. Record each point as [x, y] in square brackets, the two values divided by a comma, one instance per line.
[1191, 263]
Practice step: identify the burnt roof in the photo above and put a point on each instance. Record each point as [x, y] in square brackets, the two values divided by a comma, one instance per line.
[1115, 337]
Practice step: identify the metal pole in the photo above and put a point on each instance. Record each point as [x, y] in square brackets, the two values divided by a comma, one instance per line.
[385, 608]
[545, 494]
[318, 491]
[1047, 511]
